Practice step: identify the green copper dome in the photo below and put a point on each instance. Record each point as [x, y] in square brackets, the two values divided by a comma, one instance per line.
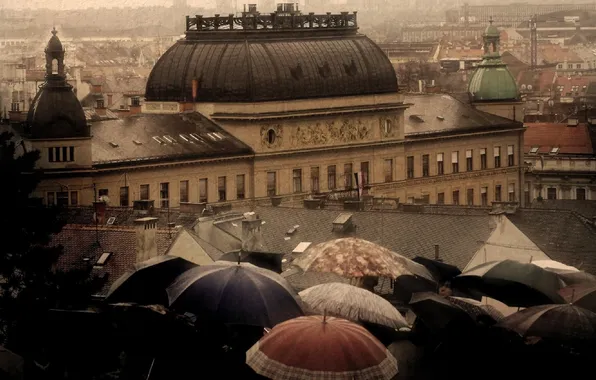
[492, 81]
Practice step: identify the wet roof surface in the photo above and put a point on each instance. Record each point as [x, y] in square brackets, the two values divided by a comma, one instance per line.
[158, 137]
[244, 69]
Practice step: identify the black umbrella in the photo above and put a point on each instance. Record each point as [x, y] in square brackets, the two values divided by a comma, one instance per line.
[513, 283]
[437, 312]
[235, 294]
[582, 295]
[405, 286]
[271, 261]
[146, 284]
[441, 271]
[561, 322]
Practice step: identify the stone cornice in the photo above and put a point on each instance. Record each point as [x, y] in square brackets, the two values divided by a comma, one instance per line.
[307, 113]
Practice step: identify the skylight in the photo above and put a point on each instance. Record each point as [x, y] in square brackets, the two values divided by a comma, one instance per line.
[554, 150]
[103, 258]
[170, 139]
[184, 137]
[534, 150]
[196, 137]
[158, 139]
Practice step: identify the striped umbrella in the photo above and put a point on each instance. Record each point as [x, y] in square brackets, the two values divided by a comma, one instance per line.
[321, 348]
[352, 303]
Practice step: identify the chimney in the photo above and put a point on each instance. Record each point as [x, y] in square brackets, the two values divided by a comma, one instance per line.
[99, 107]
[135, 105]
[251, 233]
[343, 223]
[504, 208]
[146, 229]
[100, 212]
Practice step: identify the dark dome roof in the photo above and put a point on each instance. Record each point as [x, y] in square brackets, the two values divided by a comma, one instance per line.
[54, 44]
[252, 68]
[56, 113]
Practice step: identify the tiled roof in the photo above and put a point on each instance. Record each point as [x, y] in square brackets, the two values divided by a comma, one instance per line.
[135, 141]
[562, 235]
[439, 113]
[410, 234]
[586, 208]
[82, 251]
[91, 115]
[570, 140]
[568, 82]
[126, 216]
[541, 81]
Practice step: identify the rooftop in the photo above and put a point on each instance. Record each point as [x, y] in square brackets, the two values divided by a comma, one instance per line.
[82, 251]
[441, 114]
[570, 140]
[149, 138]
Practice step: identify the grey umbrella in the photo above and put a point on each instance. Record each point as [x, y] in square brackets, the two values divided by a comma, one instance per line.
[352, 303]
[513, 283]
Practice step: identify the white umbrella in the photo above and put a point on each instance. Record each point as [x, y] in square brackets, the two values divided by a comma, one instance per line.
[352, 303]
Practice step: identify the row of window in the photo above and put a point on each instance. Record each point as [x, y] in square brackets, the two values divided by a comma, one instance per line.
[410, 162]
[580, 193]
[484, 196]
[184, 191]
[63, 198]
[61, 154]
[349, 178]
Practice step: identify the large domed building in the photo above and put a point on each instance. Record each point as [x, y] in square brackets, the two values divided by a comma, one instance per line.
[279, 106]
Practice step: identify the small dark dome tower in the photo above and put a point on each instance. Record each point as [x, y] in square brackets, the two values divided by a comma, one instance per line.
[55, 111]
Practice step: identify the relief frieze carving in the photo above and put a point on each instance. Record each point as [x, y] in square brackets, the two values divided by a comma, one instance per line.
[331, 132]
[170, 107]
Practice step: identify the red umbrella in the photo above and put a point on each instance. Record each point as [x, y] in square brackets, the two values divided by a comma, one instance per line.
[325, 348]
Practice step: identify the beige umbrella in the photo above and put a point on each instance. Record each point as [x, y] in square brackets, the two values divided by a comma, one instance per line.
[352, 303]
[352, 257]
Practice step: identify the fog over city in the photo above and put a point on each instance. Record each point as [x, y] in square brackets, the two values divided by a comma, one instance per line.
[311, 190]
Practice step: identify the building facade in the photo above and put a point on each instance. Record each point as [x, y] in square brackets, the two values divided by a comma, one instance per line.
[249, 108]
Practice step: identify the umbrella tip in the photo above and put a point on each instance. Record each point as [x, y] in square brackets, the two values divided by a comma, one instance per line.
[239, 256]
[324, 315]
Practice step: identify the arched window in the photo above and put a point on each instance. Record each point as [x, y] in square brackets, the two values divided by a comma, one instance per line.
[271, 136]
[54, 66]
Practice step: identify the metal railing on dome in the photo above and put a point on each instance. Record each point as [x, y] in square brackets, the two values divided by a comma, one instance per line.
[273, 21]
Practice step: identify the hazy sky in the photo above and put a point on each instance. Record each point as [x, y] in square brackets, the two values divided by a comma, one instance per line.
[77, 4]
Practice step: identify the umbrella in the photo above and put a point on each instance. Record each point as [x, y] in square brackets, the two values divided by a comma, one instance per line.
[318, 347]
[575, 278]
[352, 257]
[441, 272]
[477, 309]
[583, 295]
[235, 294]
[352, 303]
[147, 282]
[11, 365]
[151, 328]
[562, 321]
[436, 311]
[271, 261]
[513, 283]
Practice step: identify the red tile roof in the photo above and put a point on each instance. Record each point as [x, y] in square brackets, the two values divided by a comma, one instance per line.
[82, 251]
[569, 140]
[581, 82]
